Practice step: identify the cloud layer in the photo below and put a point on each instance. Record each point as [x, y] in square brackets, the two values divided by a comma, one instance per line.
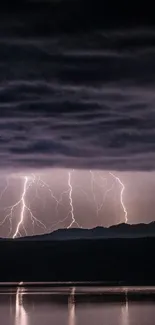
[74, 102]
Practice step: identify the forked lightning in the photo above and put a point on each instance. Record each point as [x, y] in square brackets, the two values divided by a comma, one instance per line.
[34, 182]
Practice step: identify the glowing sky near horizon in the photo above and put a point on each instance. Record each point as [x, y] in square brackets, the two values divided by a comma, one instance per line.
[95, 198]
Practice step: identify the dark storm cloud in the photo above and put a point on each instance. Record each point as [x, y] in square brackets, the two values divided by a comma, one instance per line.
[86, 101]
[80, 127]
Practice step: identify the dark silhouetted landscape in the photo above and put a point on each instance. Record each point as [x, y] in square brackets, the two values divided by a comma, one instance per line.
[121, 259]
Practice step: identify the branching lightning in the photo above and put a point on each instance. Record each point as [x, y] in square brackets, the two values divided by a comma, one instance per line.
[21, 203]
[121, 196]
[68, 192]
[24, 207]
[33, 184]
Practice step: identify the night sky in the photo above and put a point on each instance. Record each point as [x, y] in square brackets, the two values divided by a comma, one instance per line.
[83, 101]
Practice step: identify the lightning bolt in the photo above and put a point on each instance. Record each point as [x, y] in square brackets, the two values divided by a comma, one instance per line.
[55, 224]
[71, 202]
[41, 183]
[35, 182]
[121, 196]
[68, 192]
[22, 201]
[24, 207]
[28, 182]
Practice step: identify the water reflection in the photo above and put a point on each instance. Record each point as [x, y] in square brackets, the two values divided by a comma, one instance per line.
[76, 306]
[125, 310]
[20, 313]
[71, 307]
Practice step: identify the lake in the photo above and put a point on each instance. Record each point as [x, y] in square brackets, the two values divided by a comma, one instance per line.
[77, 305]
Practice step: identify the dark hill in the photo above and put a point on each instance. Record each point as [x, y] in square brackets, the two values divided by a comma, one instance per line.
[120, 254]
[116, 231]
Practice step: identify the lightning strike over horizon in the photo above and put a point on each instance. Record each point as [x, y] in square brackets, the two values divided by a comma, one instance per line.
[121, 196]
[28, 182]
[22, 201]
[24, 207]
[68, 192]
[71, 202]
[21, 214]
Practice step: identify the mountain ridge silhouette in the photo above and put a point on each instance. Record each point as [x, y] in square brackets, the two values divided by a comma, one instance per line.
[121, 230]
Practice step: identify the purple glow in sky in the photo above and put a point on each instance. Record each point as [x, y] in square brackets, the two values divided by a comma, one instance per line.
[82, 102]
[35, 203]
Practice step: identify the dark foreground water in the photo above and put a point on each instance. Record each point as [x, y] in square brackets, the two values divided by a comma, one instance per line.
[77, 305]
